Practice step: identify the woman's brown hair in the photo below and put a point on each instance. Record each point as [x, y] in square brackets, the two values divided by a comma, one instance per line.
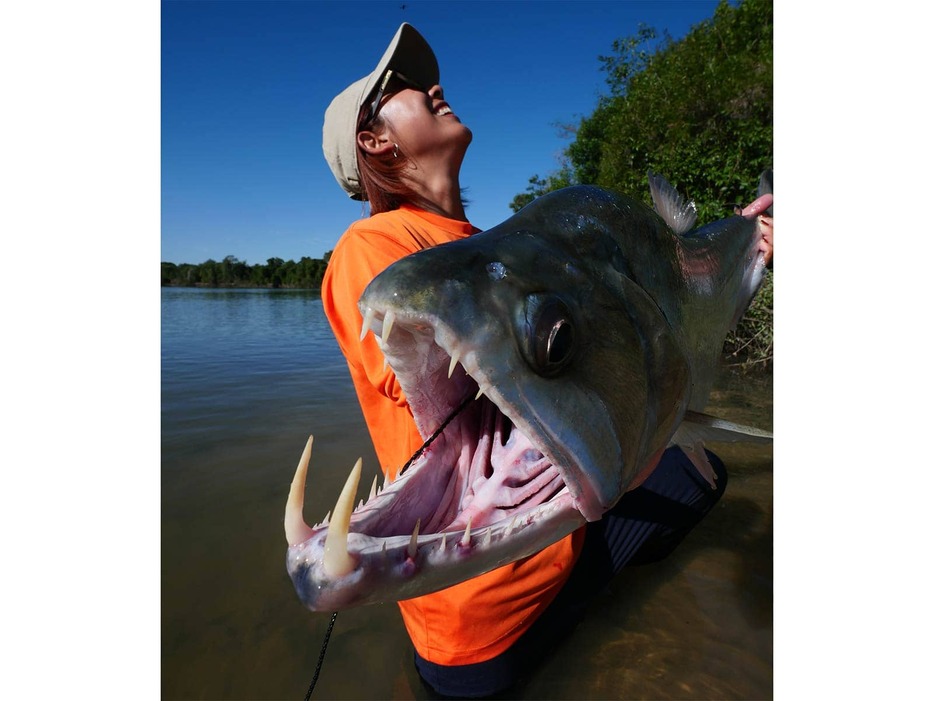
[381, 175]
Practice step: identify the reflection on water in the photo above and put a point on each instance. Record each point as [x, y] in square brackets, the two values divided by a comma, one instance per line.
[246, 376]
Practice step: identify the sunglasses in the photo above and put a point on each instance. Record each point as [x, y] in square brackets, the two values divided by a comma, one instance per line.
[388, 76]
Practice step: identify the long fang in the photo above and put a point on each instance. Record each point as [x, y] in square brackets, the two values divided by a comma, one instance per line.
[367, 322]
[296, 530]
[388, 321]
[337, 561]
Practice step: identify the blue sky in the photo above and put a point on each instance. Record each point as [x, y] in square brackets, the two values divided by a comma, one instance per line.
[245, 86]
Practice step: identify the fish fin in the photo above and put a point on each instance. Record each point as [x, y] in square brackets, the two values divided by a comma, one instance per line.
[680, 214]
[699, 460]
[696, 428]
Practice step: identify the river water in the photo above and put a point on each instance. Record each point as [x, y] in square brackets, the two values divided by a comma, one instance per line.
[247, 375]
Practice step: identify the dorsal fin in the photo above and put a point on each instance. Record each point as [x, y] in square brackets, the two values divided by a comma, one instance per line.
[678, 213]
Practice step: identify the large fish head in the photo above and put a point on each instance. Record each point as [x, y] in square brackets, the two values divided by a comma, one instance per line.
[545, 379]
[543, 319]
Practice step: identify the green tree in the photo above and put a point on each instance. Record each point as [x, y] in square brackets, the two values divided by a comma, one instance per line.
[539, 186]
[258, 275]
[274, 271]
[241, 272]
[169, 273]
[189, 274]
[699, 112]
[210, 272]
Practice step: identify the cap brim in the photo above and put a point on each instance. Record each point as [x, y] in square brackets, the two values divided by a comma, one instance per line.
[409, 54]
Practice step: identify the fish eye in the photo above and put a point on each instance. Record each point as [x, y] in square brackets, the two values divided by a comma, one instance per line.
[551, 337]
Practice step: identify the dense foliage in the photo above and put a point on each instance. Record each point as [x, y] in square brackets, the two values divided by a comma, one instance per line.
[307, 273]
[699, 112]
[751, 344]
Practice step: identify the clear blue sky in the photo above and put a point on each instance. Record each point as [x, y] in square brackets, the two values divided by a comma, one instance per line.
[245, 86]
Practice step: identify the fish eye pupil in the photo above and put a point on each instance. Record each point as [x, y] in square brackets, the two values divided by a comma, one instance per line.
[560, 342]
[552, 340]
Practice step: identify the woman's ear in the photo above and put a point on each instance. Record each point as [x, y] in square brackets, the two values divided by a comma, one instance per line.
[373, 143]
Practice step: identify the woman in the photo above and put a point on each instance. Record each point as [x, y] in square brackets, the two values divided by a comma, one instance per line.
[391, 139]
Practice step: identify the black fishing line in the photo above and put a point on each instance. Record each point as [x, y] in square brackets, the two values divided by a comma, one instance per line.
[415, 455]
[324, 648]
[463, 405]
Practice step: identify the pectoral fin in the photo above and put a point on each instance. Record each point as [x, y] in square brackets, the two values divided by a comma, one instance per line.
[696, 429]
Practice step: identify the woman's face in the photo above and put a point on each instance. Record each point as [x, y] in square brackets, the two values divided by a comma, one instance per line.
[423, 124]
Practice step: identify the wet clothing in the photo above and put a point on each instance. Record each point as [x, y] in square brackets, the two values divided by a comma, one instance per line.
[476, 620]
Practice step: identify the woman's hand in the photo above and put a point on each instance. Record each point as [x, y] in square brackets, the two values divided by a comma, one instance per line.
[766, 225]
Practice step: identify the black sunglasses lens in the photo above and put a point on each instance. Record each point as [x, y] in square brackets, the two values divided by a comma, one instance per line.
[391, 83]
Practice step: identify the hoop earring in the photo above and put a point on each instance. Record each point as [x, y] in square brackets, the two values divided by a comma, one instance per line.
[395, 150]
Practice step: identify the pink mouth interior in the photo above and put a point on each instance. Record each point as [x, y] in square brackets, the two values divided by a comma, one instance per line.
[481, 470]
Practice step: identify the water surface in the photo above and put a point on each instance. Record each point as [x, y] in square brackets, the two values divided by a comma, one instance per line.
[247, 375]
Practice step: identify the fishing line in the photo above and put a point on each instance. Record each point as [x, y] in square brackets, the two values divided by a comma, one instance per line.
[463, 405]
[327, 635]
[324, 648]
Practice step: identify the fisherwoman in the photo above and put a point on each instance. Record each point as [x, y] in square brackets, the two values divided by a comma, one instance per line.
[391, 139]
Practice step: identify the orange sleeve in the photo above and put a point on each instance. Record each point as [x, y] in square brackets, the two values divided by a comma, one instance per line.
[360, 257]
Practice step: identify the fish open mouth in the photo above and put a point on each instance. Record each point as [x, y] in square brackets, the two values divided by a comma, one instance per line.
[484, 469]
[480, 493]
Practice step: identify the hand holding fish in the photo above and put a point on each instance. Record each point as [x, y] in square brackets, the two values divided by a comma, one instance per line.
[761, 209]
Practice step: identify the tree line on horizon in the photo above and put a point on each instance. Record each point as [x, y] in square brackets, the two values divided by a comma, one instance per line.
[307, 273]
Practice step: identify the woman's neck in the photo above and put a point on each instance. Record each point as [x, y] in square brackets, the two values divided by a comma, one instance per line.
[447, 204]
[438, 186]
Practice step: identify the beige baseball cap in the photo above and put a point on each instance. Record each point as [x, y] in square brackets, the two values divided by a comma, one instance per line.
[409, 54]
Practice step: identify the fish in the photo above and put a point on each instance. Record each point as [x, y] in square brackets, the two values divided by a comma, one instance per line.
[547, 361]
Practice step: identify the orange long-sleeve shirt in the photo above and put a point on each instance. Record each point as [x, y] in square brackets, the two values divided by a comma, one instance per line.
[478, 619]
